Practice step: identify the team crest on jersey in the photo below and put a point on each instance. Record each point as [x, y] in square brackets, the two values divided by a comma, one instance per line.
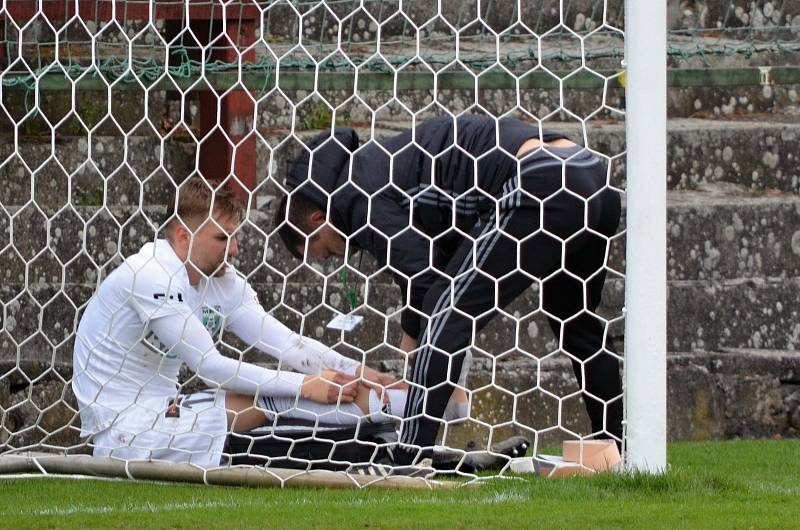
[212, 319]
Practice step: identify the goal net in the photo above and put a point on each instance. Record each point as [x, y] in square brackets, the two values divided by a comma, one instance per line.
[462, 167]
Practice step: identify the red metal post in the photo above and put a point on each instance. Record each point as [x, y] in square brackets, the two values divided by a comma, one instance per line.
[218, 158]
[236, 154]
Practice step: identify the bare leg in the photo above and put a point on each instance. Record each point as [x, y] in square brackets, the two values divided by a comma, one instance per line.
[242, 414]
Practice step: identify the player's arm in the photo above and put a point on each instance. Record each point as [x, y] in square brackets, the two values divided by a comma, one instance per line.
[263, 331]
[185, 335]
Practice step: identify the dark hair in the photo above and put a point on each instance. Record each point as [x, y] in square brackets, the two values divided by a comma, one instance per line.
[292, 222]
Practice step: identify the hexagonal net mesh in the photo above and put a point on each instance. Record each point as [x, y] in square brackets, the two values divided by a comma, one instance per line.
[396, 239]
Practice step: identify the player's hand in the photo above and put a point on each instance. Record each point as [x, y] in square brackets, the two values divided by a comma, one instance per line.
[380, 380]
[327, 387]
[408, 343]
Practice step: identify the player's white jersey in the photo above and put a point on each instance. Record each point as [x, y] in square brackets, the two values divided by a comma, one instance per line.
[118, 361]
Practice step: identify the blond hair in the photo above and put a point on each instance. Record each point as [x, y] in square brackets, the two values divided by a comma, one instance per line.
[198, 199]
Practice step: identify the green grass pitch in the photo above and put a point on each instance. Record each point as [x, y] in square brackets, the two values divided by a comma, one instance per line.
[753, 484]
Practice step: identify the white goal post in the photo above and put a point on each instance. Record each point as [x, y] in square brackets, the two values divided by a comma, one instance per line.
[646, 263]
[110, 107]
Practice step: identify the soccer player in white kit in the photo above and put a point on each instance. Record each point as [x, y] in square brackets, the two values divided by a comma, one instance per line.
[165, 306]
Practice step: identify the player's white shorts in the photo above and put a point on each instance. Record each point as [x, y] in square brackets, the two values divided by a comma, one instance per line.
[193, 431]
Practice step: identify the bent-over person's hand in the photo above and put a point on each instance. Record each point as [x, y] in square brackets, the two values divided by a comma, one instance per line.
[327, 387]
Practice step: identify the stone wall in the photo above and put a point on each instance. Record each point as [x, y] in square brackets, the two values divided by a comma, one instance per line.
[733, 264]
[70, 209]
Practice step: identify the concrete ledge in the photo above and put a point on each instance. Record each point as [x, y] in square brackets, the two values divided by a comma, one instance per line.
[702, 315]
[712, 395]
[734, 268]
[758, 155]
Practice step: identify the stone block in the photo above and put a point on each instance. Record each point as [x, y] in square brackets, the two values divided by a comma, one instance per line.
[725, 232]
[743, 393]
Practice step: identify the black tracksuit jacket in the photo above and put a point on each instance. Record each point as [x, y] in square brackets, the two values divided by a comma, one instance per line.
[468, 171]
[418, 201]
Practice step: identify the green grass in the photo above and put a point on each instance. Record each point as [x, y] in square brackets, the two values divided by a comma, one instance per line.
[710, 485]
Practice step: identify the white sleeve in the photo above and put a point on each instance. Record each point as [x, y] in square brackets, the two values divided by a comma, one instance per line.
[259, 329]
[153, 293]
[186, 336]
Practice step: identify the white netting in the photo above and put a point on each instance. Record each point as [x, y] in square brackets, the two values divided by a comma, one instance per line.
[460, 255]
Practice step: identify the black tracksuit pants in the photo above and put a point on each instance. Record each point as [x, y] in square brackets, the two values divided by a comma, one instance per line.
[565, 248]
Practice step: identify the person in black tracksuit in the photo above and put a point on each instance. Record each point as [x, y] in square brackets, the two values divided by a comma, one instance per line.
[500, 224]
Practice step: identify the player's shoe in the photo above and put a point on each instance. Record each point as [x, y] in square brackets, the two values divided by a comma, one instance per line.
[386, 466]
[496, 459]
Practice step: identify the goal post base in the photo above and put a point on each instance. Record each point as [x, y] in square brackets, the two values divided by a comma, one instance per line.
[89, 466]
